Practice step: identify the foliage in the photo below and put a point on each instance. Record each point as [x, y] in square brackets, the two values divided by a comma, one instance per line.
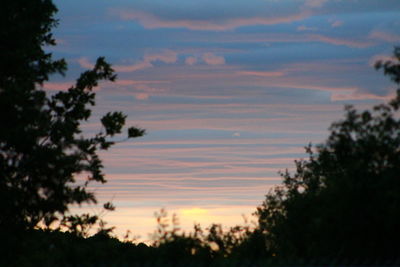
[42, 147]
[342, 202]
[215, 244]
[55, 248]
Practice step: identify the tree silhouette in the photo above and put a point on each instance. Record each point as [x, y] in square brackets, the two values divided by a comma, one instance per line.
[42, 147]
[343, 202]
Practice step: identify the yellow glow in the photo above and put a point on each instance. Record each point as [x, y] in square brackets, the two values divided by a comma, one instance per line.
[194, 212]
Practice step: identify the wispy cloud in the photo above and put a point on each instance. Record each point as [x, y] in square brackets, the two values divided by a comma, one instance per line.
[357, 95]
[315, 3]
[306, 28]
[57, 86]
[212, 59]
[262, 73]
[152, 21]
[190, 60]
[166, 56]
[385, 36]
[336, 23]
[125, 82]
[340, 41]
[85, 63]
[301, 37]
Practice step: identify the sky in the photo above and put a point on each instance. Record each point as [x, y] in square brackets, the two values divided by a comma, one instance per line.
[229, 93]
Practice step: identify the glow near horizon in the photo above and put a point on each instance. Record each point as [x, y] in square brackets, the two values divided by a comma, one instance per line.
[229, 94]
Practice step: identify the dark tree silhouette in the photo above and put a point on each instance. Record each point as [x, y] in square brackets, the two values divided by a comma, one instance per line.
[42, 147]
[343, 202]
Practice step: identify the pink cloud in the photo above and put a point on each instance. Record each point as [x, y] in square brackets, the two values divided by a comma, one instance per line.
[314, 3]
[190, 60]
[85, 63]
[385, 36]
[152, 21]
[137, 82]
[287, 38]
[336, 23]
[212, 59]
[142, 96]
[60, 86]
[133, 67]
[262, 73]
[167, 56]
[339, 41]
[356, 95]
[140, 90]
[306, 28]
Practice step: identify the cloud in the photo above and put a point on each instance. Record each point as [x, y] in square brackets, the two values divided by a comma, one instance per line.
[57, 86]
[384, 36]
[152, 21]
[142, 96]
[139, 89]
[135, 82]
[262, 73]
[336, 23]
[339, 41]
[236, 134]
[306, 28]
[190, 60]
[357, 95]
[85, 63]
[314, 3]
[132, 68]
[287, 38]
[167, 56]
[212, 59]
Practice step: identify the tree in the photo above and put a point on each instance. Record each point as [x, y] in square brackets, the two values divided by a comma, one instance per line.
[343, 202]
[42, 147]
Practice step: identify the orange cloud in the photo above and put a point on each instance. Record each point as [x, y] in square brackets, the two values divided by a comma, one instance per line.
[141, 222]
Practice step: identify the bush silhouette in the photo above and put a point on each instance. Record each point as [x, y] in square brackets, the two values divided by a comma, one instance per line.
[343, 202]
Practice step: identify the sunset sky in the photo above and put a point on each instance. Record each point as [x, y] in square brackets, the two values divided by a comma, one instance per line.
[229, 92]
